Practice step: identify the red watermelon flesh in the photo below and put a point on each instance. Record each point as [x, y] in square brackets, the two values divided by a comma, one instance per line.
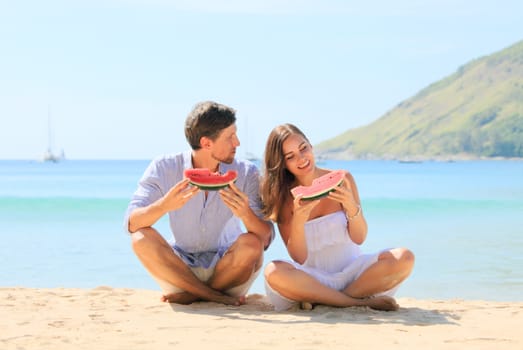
[210, 181]
[320, 186]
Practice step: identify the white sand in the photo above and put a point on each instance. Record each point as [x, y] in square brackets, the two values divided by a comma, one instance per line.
[108, 318]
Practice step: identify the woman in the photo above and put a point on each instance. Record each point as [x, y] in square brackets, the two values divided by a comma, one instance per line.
[322, 236]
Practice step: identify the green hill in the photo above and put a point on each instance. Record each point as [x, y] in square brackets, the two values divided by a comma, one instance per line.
[474, 113]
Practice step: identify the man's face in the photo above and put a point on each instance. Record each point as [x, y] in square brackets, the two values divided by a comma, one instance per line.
[224, 147]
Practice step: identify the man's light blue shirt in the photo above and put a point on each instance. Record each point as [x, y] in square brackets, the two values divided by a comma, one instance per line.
[202, 224]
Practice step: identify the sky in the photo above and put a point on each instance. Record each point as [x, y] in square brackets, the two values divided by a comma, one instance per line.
[116, 78]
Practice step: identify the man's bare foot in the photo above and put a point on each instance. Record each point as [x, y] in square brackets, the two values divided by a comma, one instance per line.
[383, 303]
[183, 298]
[228, 300]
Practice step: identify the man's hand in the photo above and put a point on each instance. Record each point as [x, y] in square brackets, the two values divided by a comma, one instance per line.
[178, 195]
[172, 200]
[235, 200]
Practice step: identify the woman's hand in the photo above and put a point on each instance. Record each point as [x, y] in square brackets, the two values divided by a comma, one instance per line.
[345, 196]
[302, 209]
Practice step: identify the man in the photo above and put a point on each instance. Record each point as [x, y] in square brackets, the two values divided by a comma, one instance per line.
[211, 258]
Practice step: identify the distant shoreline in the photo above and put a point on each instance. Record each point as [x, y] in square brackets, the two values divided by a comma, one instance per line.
[416, 159]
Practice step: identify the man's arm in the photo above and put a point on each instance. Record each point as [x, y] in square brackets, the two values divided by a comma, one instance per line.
[174, 199]
[261, 228]
[239, 204]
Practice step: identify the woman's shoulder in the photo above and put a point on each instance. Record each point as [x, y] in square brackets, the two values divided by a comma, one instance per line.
[328, 170]
[324, 171]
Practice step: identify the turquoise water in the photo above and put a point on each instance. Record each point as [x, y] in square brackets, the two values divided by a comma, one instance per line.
[62, 224]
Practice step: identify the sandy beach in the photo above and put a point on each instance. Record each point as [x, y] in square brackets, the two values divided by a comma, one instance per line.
[110, 318]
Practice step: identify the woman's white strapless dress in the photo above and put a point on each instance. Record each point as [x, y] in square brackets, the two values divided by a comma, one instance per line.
[332, 257]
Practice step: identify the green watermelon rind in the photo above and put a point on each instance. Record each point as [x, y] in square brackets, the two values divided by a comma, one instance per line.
[320, 195]
[207, 186]
[327, 190]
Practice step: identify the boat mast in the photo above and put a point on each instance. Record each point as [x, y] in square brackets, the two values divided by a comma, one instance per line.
[49, 135]
[48, 155]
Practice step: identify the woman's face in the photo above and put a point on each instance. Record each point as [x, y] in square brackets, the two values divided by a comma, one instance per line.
[298, 155]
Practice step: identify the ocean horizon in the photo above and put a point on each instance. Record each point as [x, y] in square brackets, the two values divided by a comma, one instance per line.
[63, 224]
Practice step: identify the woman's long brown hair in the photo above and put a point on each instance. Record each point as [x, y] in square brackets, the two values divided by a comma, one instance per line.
[276, 180]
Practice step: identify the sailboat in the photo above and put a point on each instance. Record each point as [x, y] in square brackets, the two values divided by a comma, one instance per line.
[48, 155]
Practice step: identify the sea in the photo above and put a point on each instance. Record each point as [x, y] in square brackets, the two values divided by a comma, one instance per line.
[62, 224]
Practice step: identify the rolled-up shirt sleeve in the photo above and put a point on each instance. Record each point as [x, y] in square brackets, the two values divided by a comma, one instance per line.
[149, 190]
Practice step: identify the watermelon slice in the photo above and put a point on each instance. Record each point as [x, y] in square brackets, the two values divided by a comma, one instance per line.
[209, 181]
[320, 186]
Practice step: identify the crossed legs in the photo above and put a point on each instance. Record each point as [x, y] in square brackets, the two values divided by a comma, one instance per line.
[390, 270]
[238, 264]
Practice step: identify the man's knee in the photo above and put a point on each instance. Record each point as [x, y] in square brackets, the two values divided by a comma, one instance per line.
[247, 251]
[145, 238]
[250, 244]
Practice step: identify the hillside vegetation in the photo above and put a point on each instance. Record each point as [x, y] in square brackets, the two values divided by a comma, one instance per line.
[474, 113]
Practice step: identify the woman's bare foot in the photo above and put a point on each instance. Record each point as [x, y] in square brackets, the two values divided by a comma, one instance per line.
[305, 305]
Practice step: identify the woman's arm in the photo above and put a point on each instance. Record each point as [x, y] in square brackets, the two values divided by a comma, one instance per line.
[347, 194]
[292, 227]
